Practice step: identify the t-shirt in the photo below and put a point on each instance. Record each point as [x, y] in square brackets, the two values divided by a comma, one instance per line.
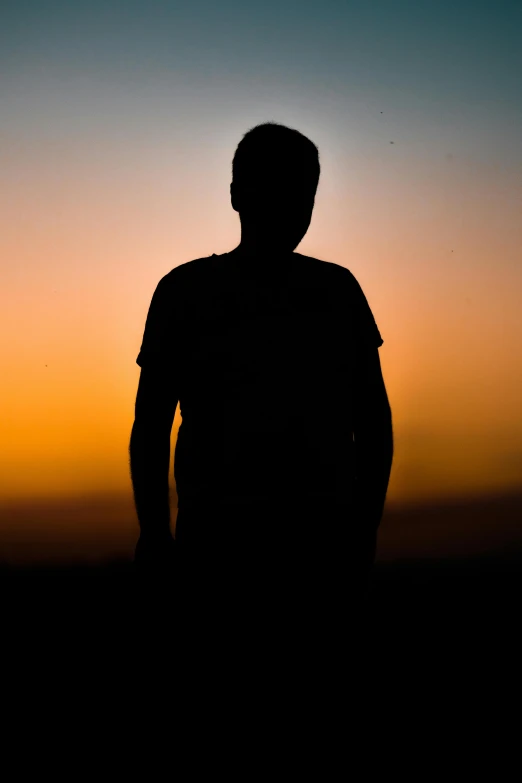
[263, 358]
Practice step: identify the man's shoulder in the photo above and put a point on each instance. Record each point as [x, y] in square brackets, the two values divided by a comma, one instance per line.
[184, 278]
[331, 272]
[187, 269]
[328, 267]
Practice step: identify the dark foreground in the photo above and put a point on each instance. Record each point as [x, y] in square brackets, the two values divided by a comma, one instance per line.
[433, 642]
[96, 664]
[403, 597]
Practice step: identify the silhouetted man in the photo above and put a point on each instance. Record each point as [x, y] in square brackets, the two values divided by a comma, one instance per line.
[285, 449]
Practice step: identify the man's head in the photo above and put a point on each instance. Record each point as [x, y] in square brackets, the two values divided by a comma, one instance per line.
[275, 173]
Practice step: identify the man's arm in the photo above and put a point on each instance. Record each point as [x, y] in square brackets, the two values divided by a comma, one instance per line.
[373, 436]
[149, 450]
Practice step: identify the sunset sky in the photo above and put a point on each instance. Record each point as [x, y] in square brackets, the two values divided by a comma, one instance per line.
[118, 124]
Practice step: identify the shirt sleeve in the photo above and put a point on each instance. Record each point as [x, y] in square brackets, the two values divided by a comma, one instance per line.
[367, 332]
[156, 346]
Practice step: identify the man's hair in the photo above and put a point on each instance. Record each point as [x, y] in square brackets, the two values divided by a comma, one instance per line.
[270, 147]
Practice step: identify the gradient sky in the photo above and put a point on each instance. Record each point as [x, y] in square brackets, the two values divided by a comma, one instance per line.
[118, 123]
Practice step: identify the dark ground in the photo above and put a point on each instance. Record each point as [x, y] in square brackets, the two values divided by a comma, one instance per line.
[442, 596]
[439, 640]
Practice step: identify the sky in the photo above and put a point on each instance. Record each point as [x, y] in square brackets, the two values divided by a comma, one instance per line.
[118, 124]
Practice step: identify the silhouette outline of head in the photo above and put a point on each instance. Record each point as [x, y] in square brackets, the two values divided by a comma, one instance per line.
[275, 174]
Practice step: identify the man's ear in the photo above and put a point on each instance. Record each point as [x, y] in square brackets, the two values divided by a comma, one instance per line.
[234, 197]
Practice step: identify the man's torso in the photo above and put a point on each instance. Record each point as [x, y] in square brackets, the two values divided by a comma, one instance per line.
[265, 368]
